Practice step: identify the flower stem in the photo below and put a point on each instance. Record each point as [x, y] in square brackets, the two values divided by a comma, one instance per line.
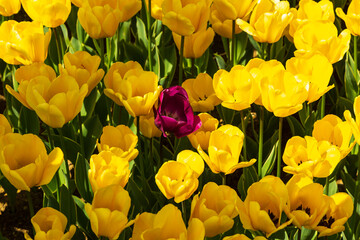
[244, 132]
[261, 141]
[140, 165]
[356, 195]
[278, 170]
[81, 136]
[65, 157]
[31, 206]
[57, 45]
[183, 209]
[322, 109]
[223, 177]
[148, 18]
[233, 44]
[355, 60]
[57, 177]
[181, 60]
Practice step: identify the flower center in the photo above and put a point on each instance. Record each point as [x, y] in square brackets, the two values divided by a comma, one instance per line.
[273, 217]
[326, 222]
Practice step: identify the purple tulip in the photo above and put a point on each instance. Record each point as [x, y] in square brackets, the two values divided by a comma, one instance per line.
[174, 114]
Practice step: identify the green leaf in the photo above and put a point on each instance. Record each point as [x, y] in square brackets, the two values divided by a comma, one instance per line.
[269, 164]
[351, 86]
[141, 32]
[308, 234]
[91, 129]
[168, 61]
[29, 121]
[220, 61]
[137, 195]
[82, 219]
[71, 147]
[67, 205]
[10, 190]
[295, 126]
[82, 178]
[134, 52]
[90, 103]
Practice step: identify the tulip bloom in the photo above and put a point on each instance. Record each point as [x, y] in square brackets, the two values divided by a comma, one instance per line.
[311, 157]
[352, 17]
[107, 168]
[220, 24]
[264, 204]
[310, 10]
[137, 90]
[50, 224]
[308, 204]
[84, 68]
[340, 210]
[156, 8]
[50, 13]
[224, 150]
[176, 180]
[8, 8]
[201, 93]
[242, 237]
[282, 92]
[232, 9]
[355, 124]
[166, 224]
[100, 19]
[236, 89]
[318, 71]
[25, 162]
[322, 36]
[186, 17]
[332, 129]
[174, 113]
[119, 140]
[216, 208]
[108, 211]
[268, 20]
[202, 135]
[193, 160]
[147, 126]
[23, 42]
[56, 101]
[5, 126]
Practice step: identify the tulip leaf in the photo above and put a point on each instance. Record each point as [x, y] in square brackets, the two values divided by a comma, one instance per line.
[256, 45]
[269, 164]
[82, 219]
[141, 33]
[168, 59]
[241, 44]
[91, 129]
[137, 195]
[28, 121]
[49, 199]
[71, 147]
[349, 182]
[81, 178]
[351, 77]
[308, 234]
[134, 52]
[90, 103]
[220, 61]
[343, 104]
[10, 190]
[295, 127]
[67, 205]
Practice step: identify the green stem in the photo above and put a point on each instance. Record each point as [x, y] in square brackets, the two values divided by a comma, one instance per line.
[244, 132]
[148, 16]
[140, 165]
[183, 209]
[356, 195]
[261, 141]
[31, 206]
[102, 53]
[181, 60]
[57, 45]
[65, 157]
[278, 170]
[223, 177]
[57, 176]
[355, 60]
[81, 136]
[327, 182]
[233, 44]
[322, 110]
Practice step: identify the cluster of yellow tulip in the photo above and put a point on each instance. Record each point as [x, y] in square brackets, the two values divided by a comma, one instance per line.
[132, 157]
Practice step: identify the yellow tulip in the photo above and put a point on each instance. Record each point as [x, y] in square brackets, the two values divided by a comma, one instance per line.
[25, 162]
[232, 9]
[186, 17]
[50, 13]
[332, 129]
[193, 160]
[310, 10]
[352, 17]
[166, 224]
[202, 135]
[119, 140]
[5, 126]
[224, 150]
[308, 204]
[264, 204]
[77, 3]
[84, 68]
[176, 180]
[100, 19]
[282, 92]
[323, 37]
[236, 89]
[8, 8]
[56, 101]
[308, 156]
[195, 44]
[355, 124]
[107, 168]
[242, 237]
[137, 90]
[220, 24]
[268, 20]
[318, 77]
[147, 126]
[50, 224]
[23, 43]
[201, 93]
[108, 211]
[156, 8]
[216, 208]
[340, 210]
